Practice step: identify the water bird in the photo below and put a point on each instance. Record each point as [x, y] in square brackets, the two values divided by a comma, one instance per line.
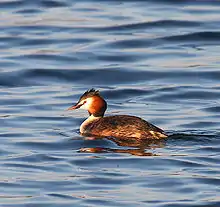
[118, 126]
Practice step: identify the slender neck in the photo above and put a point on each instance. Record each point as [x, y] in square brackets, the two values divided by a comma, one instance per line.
[95, 115]
[88, 121]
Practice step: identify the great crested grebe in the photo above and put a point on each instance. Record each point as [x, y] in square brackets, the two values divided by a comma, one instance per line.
[118, 126]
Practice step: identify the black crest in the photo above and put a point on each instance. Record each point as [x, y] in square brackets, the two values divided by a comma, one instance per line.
[89, 93]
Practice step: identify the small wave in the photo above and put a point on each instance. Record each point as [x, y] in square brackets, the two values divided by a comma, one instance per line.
[194, 37]
[148, 25]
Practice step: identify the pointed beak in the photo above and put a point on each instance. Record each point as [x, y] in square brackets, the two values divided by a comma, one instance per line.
[76, 106]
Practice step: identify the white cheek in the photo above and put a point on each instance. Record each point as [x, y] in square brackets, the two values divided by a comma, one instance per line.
[83, 106]
[86, 105]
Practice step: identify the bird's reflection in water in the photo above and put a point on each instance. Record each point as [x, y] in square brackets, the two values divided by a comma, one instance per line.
[131, 146]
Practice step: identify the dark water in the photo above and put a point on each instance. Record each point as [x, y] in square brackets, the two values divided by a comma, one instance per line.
[158, 60]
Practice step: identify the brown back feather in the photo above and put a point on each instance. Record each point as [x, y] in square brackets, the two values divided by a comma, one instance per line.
[124, 126]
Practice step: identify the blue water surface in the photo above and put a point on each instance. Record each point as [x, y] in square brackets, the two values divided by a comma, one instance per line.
[158, 60]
